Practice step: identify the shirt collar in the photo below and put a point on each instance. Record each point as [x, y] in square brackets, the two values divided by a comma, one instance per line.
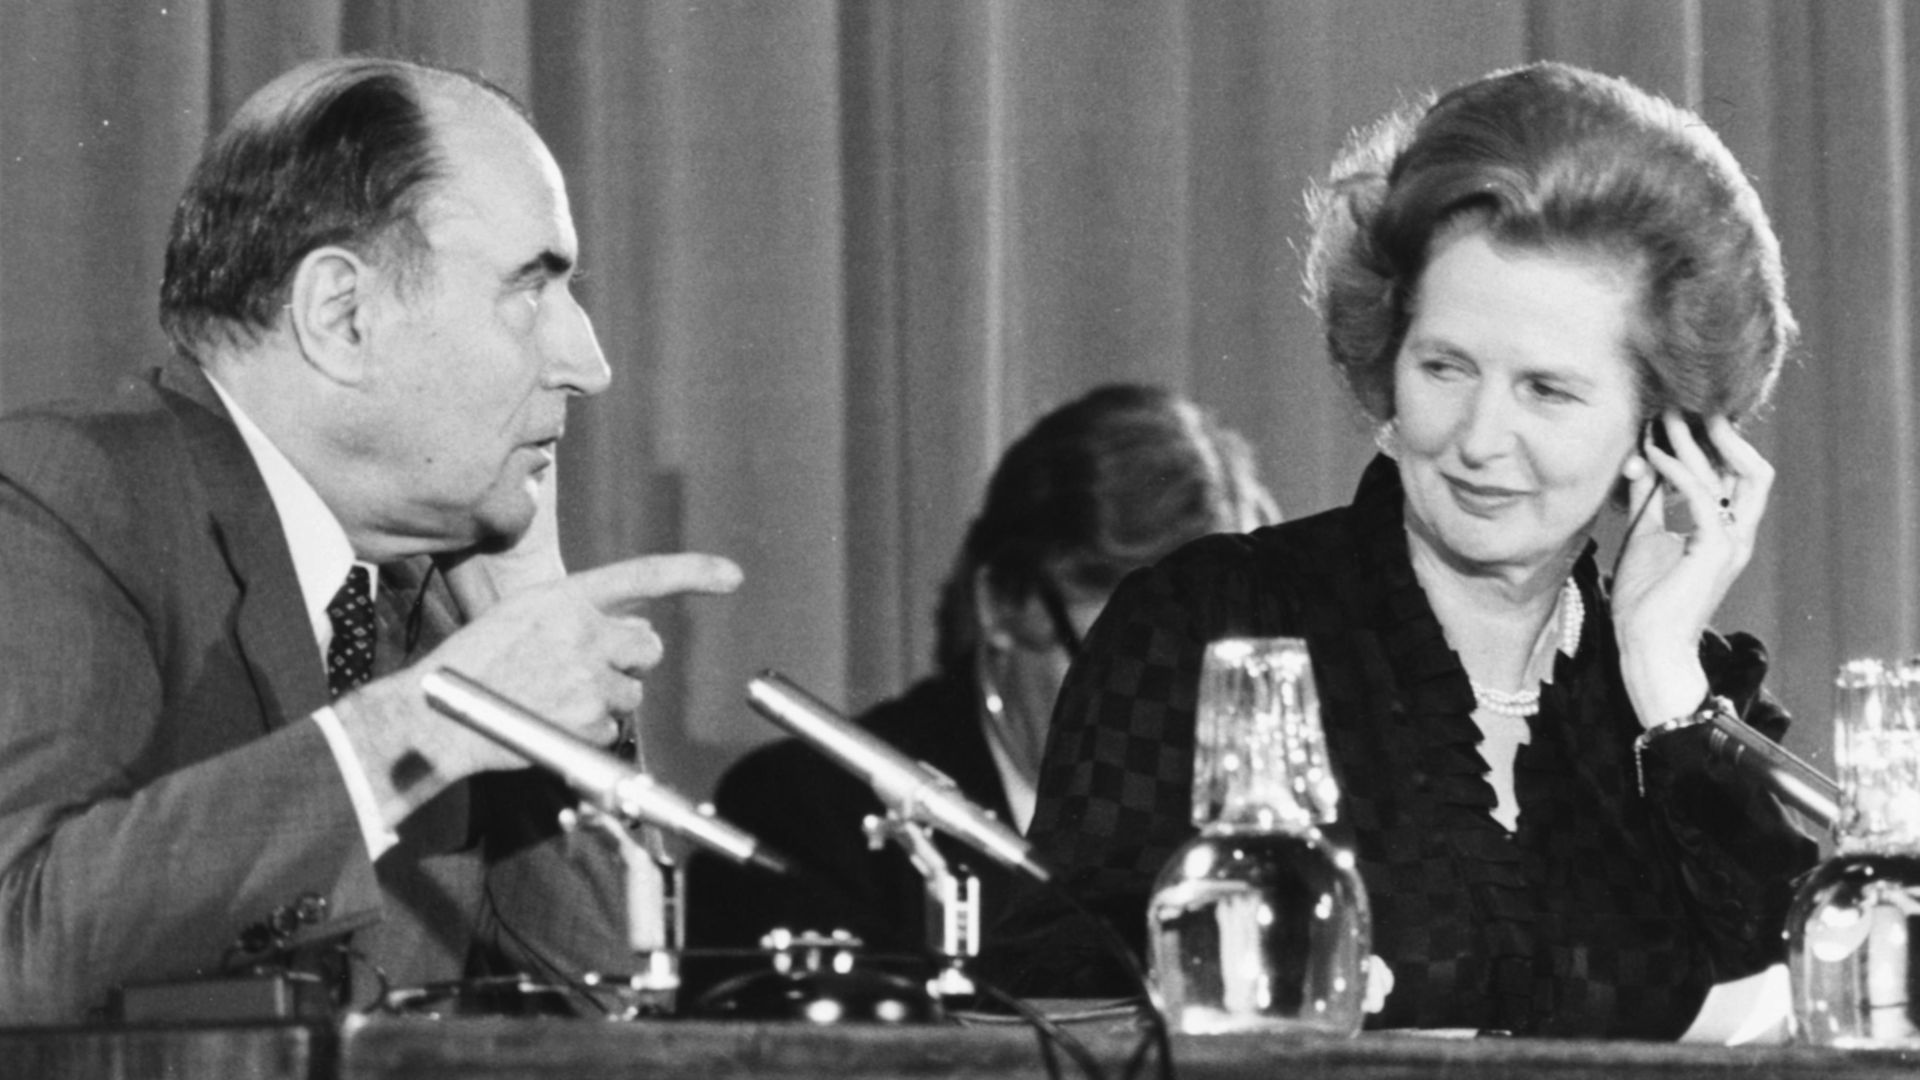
[321, 552]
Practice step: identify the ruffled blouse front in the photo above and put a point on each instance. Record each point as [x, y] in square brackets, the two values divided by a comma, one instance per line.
[1603, 913]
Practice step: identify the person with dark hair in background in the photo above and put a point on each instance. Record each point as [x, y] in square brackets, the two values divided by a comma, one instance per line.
[1097, 488]
[228, 581]
[1525, 282]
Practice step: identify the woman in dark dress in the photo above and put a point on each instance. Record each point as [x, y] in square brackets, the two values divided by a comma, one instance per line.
[1519, 282]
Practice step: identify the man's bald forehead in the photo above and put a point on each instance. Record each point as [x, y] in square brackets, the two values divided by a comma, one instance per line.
[435, 88]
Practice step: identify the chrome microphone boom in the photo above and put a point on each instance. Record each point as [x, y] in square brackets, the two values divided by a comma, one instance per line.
[608, 783]
[908, 787]
[1795, 781]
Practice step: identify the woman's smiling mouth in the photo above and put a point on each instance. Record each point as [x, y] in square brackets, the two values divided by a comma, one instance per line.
[1482, 499]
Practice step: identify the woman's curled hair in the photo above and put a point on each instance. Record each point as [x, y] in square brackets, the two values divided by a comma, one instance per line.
[1557, 159]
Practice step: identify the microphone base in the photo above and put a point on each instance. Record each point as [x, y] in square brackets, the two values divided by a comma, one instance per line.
[820, 997]
[820, 979]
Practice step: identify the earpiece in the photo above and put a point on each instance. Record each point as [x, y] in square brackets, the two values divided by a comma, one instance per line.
[1656, 432]
[1383, 437]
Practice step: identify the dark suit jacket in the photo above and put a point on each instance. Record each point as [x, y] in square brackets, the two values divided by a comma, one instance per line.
[161, 786]
[799, 803]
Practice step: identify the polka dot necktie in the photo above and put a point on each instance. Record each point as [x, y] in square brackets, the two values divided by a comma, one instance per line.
[350, 654]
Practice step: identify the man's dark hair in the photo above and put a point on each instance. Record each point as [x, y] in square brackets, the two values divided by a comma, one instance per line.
[346, 157]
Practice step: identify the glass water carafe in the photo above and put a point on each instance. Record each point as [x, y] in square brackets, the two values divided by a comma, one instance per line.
[1260, 922]
[1853, 934]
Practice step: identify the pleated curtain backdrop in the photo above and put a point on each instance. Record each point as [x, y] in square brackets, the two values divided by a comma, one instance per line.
[840, 253]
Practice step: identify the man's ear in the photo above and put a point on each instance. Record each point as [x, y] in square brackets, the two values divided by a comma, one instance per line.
[330, 307]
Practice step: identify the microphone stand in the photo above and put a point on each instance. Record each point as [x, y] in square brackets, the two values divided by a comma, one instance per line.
[624, 804]
[656, 913]
[953, 901]
[918, 799]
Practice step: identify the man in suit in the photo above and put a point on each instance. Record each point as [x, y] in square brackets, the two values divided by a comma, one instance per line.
[201, 767]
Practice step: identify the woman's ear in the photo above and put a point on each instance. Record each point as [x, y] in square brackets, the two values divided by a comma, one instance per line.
[1386, 437]
[992, 614]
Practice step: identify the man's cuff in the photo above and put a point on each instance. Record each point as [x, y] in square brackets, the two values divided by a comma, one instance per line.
[373, 827]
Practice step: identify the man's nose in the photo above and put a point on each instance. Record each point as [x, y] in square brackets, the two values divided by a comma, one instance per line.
[574, 359]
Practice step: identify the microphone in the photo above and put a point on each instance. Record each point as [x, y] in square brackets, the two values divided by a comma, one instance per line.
[1795, 781]
[603, 780]
[908, 787]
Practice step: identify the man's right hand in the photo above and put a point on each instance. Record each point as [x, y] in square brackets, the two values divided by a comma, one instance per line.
[574, 651]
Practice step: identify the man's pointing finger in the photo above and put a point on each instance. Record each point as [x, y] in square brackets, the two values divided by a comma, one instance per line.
[621, 588]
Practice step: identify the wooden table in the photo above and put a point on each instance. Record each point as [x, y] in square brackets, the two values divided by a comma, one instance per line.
[497, 1049]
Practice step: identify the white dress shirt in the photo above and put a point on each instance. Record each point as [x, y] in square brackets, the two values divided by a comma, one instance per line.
[322, 555]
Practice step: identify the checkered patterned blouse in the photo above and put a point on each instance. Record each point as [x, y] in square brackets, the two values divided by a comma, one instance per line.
[1605, 914]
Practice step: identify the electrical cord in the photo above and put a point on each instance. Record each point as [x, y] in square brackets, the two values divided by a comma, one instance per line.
[551, 970]
[1051, 1034]
[1053, 1037]
[1153, 1021]
[1632, 524]
[1049, 1030]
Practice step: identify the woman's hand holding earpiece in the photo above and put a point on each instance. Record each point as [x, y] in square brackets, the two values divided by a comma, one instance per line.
[1669, 584]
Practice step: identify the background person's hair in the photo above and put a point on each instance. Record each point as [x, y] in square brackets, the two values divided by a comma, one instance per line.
[1554, 158]
[345, 155]
[1098, 487]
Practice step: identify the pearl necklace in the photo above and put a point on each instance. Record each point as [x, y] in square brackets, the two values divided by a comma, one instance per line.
[1520, 704]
